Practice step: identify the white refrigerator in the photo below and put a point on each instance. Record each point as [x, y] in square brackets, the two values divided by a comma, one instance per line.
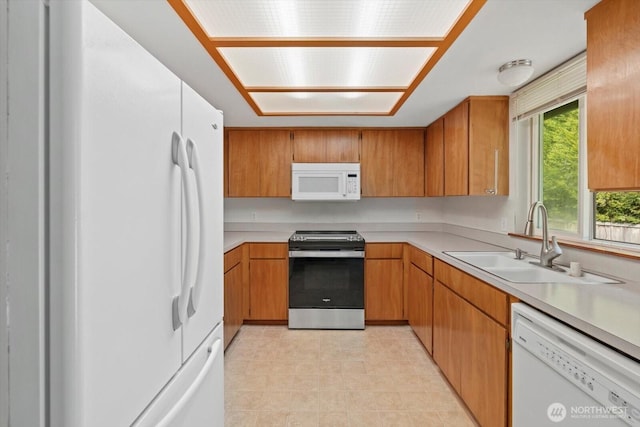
[135, 233]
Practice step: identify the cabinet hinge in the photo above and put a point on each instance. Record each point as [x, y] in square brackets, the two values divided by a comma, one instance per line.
[508, 344]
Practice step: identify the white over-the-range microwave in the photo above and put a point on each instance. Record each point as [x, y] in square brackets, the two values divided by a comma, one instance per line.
[325, 181]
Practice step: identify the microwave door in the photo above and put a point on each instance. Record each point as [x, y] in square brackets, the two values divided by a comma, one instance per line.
[320, 186]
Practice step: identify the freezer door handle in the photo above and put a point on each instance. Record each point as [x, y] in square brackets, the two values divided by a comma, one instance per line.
[195, 385]
[180, 302]
[196, 290]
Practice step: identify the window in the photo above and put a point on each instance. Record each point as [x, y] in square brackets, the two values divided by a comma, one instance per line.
[617, 216]
[551, 111]
[559, 166]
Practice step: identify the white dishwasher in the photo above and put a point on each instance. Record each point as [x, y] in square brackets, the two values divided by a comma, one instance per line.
[562, 377]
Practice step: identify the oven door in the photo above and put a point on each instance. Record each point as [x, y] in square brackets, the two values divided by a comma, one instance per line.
[326, 279]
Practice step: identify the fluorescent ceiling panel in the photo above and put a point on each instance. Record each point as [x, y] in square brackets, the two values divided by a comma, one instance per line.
[348, 56]
[326, 102]
[327, 18]
[326, 67]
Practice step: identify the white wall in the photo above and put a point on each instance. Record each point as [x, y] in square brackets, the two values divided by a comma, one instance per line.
[373, 210]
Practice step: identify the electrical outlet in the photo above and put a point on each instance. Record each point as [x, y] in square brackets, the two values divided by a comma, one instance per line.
[418, 216]
[504, 224]
[253, 216]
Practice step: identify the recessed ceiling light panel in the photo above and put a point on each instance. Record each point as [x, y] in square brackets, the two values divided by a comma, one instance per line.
[327, 66]
[327, 18]
[326, 102]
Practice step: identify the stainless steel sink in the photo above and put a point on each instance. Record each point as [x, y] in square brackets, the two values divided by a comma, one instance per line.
[507, 267]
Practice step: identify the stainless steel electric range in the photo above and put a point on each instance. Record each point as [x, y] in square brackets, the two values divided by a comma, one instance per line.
[326, 280]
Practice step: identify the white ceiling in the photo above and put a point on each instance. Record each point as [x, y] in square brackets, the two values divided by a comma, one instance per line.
[545, 31]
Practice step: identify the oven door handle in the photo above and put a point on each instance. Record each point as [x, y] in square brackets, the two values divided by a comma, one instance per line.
[326, 254]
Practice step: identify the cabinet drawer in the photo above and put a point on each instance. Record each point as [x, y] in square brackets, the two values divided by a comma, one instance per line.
[383, 250]
[422, 260]
[484, 296]
[232, 258]
[268, 250]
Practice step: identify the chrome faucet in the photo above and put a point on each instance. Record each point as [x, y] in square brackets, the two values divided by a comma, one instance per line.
[549, 251]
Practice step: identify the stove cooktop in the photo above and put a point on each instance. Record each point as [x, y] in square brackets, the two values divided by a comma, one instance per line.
[327, 236]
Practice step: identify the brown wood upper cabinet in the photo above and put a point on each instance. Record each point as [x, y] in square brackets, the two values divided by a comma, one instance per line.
[434, 159]
[476, 147]
[259, 163]
[392, 163]
[326, 146]
[613, 144]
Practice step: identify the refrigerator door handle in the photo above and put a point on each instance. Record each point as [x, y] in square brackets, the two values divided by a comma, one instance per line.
[180, 302]
[196, 290]
[195, 385]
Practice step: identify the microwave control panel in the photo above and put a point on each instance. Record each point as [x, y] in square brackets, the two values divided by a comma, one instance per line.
[353, 183]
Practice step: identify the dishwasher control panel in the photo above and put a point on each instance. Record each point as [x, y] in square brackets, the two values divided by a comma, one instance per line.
[572, 362]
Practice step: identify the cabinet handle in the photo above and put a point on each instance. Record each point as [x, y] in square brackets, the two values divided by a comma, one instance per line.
[496, 160]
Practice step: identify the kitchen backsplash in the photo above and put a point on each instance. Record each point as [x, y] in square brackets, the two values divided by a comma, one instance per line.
[378, 210]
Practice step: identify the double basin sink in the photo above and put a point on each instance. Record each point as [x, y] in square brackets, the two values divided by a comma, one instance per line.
[526, 270]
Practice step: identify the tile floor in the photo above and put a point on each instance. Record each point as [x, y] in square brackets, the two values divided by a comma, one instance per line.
[381, 376]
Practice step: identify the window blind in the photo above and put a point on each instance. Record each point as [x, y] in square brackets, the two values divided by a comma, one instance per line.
[560, 85]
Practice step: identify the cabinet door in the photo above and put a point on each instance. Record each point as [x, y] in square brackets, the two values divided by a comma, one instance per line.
[275, 163]
[268, 280]
[309, 146]
[449, 316]
[421, 305]
[383, 289]
[232, 303]
[484, 368]
[408, 163]
[613, 93]
[244, 163]
[377, 163]
[456, 151]
[434, 159]
[343, 146]
[488, 146]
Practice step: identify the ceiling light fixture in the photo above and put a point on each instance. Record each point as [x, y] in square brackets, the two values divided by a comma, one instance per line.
[515, 73]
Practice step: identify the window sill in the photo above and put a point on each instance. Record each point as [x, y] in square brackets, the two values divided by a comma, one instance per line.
[589, 246]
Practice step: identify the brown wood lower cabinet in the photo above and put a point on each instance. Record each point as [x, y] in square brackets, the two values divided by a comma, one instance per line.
[448, 315]
[383, 284]
[469, 345]
[233, 294]
[232, 303]
[420, 311]
[268, 281]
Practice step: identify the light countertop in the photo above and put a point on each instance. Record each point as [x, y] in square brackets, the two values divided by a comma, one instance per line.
[607, 312]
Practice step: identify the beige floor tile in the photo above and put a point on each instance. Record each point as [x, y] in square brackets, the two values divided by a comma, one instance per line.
[457, 419]
[396, 419]
[304, 401]
[364, 419]
[331, 382]
[239, 419]
[303, 419]
[426, 419]
[333, 419]
[333, 401]
[271, 419]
